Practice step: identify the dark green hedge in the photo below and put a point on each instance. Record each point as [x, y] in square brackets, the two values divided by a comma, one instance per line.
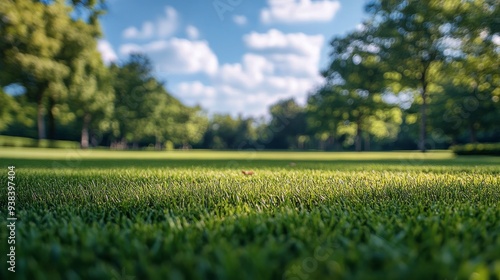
[490, 149]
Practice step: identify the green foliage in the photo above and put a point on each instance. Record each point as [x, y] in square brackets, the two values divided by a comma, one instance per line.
[143, 108]
[169, 145]
[9, 106]
[134, 86]
[90, 89]
[351, 104]
[410, 35]
[193, 215]
[458, 110]
[288, 123]
[341, 112]
[492, 149]
[40, 41]
[226, 132]
[11, 141]
[190, 126]
[44, 143]
[444, 53]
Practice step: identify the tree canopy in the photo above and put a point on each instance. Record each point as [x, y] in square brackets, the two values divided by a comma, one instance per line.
[414, 74]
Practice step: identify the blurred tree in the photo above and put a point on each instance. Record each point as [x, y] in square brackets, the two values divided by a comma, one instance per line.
[38, 40]
[143, 108]
[463, 106]
[288, 123]
[353, 94]
[327, 114]
[91, 95]
[22, 119]
[135, 88]
[88, 10]
[7, 110]
[226, 132]
[475, 68]
[482, 15]
[246, 133]
[468, 100]
[190, 126]
[31, 38]
[351, 115]
[410, 35]
[165, 117]
[88, 83]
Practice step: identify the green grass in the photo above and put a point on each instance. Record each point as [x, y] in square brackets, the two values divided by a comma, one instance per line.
[193, 215]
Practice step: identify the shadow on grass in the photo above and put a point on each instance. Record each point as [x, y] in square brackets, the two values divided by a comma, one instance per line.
[334, 164]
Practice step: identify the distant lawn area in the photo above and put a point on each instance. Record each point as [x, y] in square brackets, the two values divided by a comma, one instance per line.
[98, 214]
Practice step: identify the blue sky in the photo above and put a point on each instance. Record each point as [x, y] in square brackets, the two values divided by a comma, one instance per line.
[230, 56]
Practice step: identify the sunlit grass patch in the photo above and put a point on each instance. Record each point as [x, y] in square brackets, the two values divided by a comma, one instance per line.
[349, 215]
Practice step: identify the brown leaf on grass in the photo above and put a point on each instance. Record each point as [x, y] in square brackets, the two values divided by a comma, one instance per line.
[247, 173]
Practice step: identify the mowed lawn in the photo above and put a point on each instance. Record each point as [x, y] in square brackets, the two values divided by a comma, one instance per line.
[303, 215]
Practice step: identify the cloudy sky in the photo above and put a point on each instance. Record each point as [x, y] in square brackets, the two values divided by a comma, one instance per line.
[230, 56]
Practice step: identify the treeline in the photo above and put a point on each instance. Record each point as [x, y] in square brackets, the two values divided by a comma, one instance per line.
[431, 63]
[65, 91]
[414, 75]
[122, 106]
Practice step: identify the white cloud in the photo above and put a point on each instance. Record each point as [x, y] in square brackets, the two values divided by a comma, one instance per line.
[178, 56]
[279, 66]
[240, 20]
[293, 86]
[195, 90]
[107, 53]
[163, 27]
[275, 40]
[291, 54]
[196, 93]
[248, 74]
[192, 32]
[295, 65]
[299, 11]
[146, 32]
[232, 99]
[166, 26]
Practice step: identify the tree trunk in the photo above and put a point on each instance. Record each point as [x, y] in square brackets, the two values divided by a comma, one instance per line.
[84, 142]
[51, 119]
[473, 138]
[300, 143]
[331, 142]
[123, 144]
[358, 137]
[423, 109]
[321, 144]
[157, 143]
[367, 142]
[423, 123]
[40, 120]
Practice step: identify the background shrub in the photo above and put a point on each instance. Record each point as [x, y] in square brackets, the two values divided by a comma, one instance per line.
[491, 149]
